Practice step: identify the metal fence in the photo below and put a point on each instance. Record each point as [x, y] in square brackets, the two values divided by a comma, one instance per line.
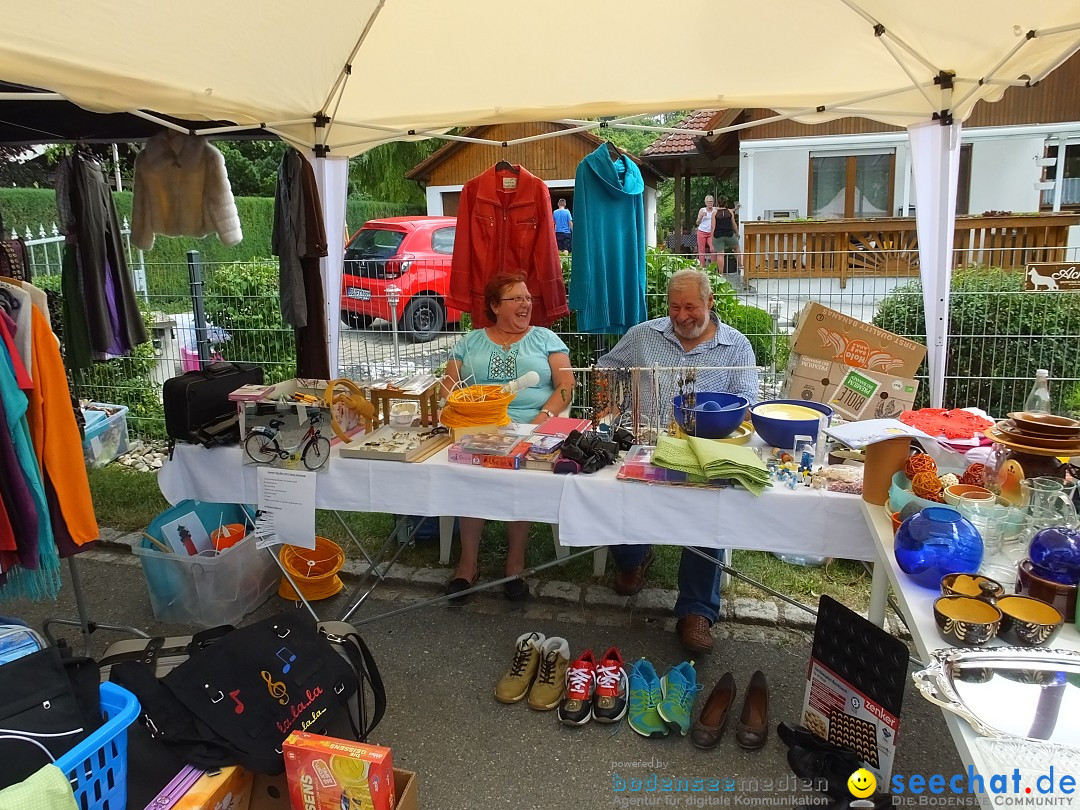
[999, 335]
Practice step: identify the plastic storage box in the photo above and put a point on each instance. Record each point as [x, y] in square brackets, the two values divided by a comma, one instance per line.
[207, 590]
[106, 437]
[97, 767]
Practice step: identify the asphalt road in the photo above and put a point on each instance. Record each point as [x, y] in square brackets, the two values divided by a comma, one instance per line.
[440, 665]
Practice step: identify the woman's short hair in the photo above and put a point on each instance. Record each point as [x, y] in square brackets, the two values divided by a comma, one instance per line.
[497, 286]
[690, 277]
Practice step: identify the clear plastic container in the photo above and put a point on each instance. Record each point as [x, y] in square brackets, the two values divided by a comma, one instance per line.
[1038, 401]
[805, 560]
[106, 438]
[208, 590]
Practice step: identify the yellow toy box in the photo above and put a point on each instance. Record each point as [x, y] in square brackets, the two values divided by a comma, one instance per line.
[325, 773]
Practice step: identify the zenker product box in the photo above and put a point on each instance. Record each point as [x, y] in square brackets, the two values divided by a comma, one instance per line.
[325, 773]
[830, 335]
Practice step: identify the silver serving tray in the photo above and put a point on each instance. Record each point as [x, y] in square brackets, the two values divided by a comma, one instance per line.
[1016, 692]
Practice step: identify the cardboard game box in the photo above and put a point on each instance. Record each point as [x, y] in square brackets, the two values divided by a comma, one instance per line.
[830, 335]
[325, 773]
[855, 393]
[855, 686]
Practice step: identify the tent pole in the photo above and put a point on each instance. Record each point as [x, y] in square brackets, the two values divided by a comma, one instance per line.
[332, 177]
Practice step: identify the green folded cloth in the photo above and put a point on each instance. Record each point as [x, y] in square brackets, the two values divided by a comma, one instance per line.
[704, 459]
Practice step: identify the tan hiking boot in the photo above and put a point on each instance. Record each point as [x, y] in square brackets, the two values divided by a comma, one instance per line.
[547, 689]
[514, 685]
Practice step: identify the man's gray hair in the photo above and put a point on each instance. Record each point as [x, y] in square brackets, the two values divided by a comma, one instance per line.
[691, 278]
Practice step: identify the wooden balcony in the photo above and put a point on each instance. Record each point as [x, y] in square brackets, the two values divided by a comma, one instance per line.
[851, 248]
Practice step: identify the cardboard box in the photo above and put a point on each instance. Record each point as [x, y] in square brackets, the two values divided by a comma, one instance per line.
[272, 792]
[830, 335]
[265, 397]
[855, 393]
[326, 773]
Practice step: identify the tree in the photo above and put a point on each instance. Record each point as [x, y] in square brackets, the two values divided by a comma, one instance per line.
[252, 166]
[379, 173]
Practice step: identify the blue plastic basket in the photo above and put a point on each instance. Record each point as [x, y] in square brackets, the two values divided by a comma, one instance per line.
[97, 767]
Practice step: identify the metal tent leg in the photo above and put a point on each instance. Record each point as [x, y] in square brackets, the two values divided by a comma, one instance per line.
[84, 623]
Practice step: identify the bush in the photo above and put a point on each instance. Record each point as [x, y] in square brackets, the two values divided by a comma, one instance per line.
[757, 325]
[1001, 335]
[242, 299]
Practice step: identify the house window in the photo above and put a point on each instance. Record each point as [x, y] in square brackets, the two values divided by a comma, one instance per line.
[1070, 184]
[844, 186]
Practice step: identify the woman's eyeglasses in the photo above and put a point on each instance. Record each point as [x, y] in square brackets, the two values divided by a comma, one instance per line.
[519, 299]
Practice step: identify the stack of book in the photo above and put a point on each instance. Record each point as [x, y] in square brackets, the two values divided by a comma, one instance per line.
[502, 451]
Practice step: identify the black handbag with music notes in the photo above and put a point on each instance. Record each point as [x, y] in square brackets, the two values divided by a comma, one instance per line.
[235, 701]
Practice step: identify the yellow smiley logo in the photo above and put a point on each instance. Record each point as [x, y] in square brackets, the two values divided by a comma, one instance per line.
[861, 783]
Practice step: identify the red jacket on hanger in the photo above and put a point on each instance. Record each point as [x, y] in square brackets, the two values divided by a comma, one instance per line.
[505, 225]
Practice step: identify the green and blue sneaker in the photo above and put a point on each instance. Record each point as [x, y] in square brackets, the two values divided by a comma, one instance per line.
[645, 696]
[679, 687]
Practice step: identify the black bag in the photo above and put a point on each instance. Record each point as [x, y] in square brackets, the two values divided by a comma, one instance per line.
[235, 701]
[200, 398]
[40, 716]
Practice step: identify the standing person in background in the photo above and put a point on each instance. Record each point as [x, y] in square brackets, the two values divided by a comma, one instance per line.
[726, 236]
[706, 221]
[564, 226]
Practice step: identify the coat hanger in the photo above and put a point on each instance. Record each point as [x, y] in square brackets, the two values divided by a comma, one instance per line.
[506, 166]
[613, 153]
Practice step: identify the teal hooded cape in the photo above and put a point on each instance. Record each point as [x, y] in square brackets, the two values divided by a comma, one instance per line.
[607, 276]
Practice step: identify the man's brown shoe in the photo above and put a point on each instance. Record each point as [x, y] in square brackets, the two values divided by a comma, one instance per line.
[753, 727]
[694, 634]
[706, 731]
[629, 582]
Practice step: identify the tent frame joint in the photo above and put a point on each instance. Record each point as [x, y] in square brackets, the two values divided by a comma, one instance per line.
[945, 79]
[879, 30]
[321, 120]
[321, 150]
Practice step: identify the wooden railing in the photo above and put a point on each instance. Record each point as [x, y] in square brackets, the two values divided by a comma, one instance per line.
[849, 248]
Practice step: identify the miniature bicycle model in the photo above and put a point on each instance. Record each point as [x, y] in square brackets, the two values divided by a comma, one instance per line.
[262, 444]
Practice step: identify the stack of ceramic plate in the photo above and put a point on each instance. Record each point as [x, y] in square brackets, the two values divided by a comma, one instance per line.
[1039, 434]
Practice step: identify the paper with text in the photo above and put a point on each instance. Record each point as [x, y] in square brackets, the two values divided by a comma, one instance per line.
[287, 507]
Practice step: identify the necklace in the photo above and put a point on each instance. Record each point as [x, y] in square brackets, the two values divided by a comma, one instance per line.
[506, 344]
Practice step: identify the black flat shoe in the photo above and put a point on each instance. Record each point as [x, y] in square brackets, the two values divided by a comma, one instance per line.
[516, 590]
[457, 585]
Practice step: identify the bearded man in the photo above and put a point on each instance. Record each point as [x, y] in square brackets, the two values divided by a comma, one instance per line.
[690, 336]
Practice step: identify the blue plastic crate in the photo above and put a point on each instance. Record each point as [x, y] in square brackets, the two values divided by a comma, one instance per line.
[97, 767]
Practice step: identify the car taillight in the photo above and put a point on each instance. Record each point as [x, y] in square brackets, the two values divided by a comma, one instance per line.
[397, 267]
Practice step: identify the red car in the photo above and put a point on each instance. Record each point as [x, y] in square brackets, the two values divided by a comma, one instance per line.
[411, 253]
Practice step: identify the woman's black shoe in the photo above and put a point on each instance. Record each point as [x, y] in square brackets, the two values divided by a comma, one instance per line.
[457, 585]
[516, 590]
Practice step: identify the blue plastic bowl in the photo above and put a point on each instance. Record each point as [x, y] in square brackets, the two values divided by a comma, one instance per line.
[716, 415]
[782, 432]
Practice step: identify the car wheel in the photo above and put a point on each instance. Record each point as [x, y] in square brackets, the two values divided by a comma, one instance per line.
[356, 320]
[424, 318]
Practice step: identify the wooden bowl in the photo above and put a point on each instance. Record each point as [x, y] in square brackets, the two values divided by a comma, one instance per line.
[1027, 621]
[966, 622]
[1046, 424]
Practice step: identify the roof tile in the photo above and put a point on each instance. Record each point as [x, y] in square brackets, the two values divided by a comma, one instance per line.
[674, 143]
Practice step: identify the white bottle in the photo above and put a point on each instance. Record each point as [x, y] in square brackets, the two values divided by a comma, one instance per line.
[1039, 398]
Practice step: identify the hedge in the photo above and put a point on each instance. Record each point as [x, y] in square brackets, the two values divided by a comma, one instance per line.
[35, 207]
[999, 336]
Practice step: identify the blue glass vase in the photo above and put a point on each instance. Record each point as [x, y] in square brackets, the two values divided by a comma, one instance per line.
[936, 542]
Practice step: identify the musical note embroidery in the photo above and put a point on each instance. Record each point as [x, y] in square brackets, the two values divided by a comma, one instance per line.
[288, 657]
[276, 688]
[239, 703]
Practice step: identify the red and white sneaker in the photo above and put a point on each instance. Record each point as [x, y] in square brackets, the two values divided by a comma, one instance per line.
[576, 707]
[612, 688]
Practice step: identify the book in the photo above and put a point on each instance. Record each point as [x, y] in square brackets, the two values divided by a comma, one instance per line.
[561, 426]
[457, 454]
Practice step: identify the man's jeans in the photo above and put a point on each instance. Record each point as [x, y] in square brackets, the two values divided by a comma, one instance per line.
[699, 580]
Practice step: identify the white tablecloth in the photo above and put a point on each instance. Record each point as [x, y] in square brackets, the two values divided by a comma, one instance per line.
[591, 510]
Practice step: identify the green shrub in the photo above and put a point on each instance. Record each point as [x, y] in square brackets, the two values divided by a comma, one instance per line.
[1001, 335]
[757, 325]
[242, 298]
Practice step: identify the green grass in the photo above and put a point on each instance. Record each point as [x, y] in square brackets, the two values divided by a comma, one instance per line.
[129, 500]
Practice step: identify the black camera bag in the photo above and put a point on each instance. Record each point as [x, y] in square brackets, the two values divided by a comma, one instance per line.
[200, 398]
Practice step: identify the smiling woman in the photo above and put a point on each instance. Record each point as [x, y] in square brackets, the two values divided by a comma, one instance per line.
[499, 353]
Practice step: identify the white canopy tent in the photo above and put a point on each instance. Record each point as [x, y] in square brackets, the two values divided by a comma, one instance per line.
[341, 76]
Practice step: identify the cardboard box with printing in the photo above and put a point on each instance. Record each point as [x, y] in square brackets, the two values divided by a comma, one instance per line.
[855, 393]
[830, 335]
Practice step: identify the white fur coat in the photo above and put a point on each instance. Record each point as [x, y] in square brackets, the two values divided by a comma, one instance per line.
[182, 189]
